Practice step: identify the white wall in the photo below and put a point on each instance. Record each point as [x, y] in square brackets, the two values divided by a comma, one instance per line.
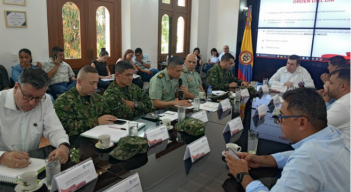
[34, 37]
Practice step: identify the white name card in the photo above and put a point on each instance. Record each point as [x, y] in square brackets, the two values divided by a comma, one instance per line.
[234, 125]
[74, 177]
[225, 105]
[202, 115]
[197, 149]
[130, 184]
[245, 93]
[264, 89]
[276, 100]
[279, 88]
[261, 111]
[157, 135]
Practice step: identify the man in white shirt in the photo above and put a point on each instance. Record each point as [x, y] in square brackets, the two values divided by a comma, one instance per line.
[26, 113]
[338, 88]
[292, 74]
[226, 50]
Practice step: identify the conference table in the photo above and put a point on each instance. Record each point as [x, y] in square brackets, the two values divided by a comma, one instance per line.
[162, 168]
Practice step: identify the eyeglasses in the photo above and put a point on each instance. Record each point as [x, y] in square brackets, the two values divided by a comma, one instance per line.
[279, 118]
[29, 97]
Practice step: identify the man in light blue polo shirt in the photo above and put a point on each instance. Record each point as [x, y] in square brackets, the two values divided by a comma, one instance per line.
[321, 159]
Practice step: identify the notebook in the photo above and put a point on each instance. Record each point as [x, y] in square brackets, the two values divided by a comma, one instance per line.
[8, 175]
[115, 134]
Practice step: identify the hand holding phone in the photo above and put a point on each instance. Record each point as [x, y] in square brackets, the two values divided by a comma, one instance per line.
[231, 153]
[119, 122]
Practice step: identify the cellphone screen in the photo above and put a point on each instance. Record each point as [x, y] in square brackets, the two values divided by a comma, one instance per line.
[231, 153]
[119, 122]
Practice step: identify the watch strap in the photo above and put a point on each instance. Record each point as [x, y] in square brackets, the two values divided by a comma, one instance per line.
[65, 144]
[240, 176]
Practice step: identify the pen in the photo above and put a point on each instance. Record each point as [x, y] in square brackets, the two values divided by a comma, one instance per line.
[20, 152]
[117, 128]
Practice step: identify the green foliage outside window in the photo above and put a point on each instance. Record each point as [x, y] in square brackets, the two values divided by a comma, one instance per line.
[71, 31]
[165, 33]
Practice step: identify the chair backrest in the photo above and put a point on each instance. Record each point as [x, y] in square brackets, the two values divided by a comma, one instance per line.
[12, 82]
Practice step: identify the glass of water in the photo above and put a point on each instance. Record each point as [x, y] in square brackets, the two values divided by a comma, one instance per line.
[265, 81]
[181, 114]
[196, 103]
[133, 128]
[253, 84]
[52, 167]
[237, 94]
[252, 141]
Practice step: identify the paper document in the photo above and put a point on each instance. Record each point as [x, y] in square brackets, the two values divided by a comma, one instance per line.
[209, 106]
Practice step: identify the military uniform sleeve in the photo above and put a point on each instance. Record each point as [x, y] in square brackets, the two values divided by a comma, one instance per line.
[116, 105]
[68, 117]
[155, 90]
[213, 80]
[234, 79]
[144, 103]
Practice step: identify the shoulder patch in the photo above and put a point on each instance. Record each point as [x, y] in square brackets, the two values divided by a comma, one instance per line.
[184, 70]
[160, 75]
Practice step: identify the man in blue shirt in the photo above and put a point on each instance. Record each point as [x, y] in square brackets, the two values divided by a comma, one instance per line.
[321, 159]
[143, 63]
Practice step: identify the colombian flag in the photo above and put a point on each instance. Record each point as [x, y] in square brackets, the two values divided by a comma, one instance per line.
[246, 52]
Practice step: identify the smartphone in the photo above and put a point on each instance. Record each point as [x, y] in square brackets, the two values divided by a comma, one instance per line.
[231, 153]
[54, 56]
[119, 122]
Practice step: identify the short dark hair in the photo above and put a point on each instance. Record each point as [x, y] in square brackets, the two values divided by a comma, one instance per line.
[26, 51]
[121, 66]
[103, 52]
[215, 50]
[308, 103]
[295, 57]
[35, 77]
[227, 57]
[56, 50]
[337, 60]
[196, 49]
[343, 74]
[87, 69]
[138, 50]
[174, 61]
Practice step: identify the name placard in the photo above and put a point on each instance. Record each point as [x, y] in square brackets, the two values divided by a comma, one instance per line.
[197, 149]
[234, 125]
[245, 93]
[224, 105]
[74, 177]
[261, 111]
[130, 184]
[157, 135]
[279, 88]
[202, 115]
[264, 89]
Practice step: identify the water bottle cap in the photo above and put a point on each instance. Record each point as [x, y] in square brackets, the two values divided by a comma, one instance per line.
[209, 86]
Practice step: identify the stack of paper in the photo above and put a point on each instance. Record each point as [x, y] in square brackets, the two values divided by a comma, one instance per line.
[209, 106]
[171, 115]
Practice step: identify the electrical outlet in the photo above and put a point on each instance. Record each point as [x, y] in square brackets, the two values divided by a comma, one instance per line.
[14, 57]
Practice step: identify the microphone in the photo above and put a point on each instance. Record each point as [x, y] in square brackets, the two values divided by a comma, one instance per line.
[180, 83]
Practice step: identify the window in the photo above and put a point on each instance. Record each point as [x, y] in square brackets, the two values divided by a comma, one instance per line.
[71, 31]
[102, 29]
[166, 1]
[181, 3]
[180, 35]
[164, 35]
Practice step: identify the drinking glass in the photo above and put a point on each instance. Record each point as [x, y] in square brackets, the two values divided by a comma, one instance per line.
[237, 94]
[252, 141]
[265, 81]
[133, 128]
[52, 167]
[181, 114]
[253, 84]
[196, 103]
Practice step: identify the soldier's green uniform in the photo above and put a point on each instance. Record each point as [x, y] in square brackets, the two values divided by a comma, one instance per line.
[162, 87]
[191, 80]
[77, 113]
[220, 79]
[114, 95]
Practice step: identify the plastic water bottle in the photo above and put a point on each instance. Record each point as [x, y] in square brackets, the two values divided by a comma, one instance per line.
[209, 93]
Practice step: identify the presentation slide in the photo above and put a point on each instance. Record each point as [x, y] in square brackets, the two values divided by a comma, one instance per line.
[284, 42]
[330, 42]
[333, 14]
[287, 13]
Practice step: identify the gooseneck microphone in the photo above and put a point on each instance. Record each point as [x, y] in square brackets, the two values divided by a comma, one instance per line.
[180, 93]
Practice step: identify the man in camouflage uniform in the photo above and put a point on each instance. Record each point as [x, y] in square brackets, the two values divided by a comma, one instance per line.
[125, 99]
[191, 78]
[220, 78]
[80, 108]
[164, 85]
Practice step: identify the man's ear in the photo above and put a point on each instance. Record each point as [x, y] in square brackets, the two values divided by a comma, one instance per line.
[303, 122]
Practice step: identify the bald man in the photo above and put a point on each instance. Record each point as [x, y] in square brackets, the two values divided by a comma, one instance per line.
[225, 50]
[80, 108]
[191, 78]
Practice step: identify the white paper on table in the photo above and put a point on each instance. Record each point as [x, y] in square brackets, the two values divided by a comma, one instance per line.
[218, 92]
[209, 106]
[279, 88]
[202, 115]
[264, 88]
[190, 107]
[171, 115]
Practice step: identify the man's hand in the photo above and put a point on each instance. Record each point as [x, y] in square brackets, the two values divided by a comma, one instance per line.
[148, 72]
[129, 103]
[185, 103]
[73, 78]
[15, 159]
[106, 119]
[236, 165]
[252, 160]
[288, 84]
[57, 61]
[183, 88]
[62, 151]
[233, 84]
[106, 77]
[244, 83]
[325, 77]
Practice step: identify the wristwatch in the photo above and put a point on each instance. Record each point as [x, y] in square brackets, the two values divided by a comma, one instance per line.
[240, 176]
[136, 104]
[65, 144]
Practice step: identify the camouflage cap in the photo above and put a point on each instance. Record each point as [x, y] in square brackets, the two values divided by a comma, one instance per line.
[129, 146]
[191, 126]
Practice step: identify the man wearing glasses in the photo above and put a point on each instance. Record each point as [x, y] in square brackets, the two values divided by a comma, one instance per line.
[220, 78]
[321, 159]
[26, 113]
